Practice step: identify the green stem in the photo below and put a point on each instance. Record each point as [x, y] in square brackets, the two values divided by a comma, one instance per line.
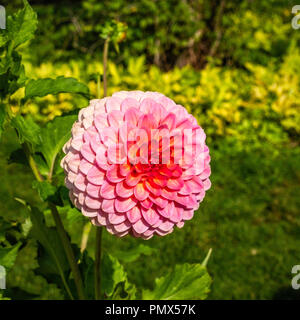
[68, 249]
[98, 263]
[105, 57]
[60, 229]
[32, 163]
[98, 87]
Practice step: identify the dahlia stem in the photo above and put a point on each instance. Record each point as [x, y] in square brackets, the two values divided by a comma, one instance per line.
[98, 263]
[61, 231]
[68, 250]
[105, 56]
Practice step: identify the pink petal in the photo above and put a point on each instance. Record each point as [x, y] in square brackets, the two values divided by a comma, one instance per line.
[92, 203]
[101, 121]
[124, 226]
[109, 136]
[101, 158]
[88, 212]
[168, 194]
[80, 182]
[140, 226]
[175, 184]
[206, 184]
[87, 152]
[129, 103]
[124, 169]
[150, 216]
[113, 174]
[116, 218]
[123, 205]
[147, 203]
[74, 163]
[85, 166]
[108, 190]
[159, 201]
[108, 205]
[113, 103]
[176, 214]
[95, 176]
[92, 190]
[170, 121]
[102, 218]
[166, 226]
[131, 117]
[134, 214]
[140, 192]
[166, 211]
[153, 189]
[115, 118]
[187, 214]
[123, 190]
[132, 179]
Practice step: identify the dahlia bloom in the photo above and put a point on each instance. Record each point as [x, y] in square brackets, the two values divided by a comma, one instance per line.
[137, 163]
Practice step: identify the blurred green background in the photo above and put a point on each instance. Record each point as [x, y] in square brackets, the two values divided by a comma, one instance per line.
[235, 66]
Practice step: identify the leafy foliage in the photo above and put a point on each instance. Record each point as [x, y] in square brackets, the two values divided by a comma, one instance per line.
[8, 256]
[54, 136]
[22, 25]
[114, 279]
[27, 129]
[43, 87]
[187, 281]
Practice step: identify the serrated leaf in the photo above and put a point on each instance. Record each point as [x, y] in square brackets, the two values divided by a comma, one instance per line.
[54, 136]
[133, 254]
[43, 87]
[184, 282]
[27, 129]
[8, 256]
[21, 25]
[112, 274]
[23, 275]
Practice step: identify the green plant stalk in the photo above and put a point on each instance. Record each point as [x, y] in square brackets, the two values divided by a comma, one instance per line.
[60, 229]
[98, 263]
[105, 57]
[99, 229]
[69, 251]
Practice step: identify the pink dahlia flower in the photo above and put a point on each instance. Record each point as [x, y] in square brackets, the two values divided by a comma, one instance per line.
[137, 163]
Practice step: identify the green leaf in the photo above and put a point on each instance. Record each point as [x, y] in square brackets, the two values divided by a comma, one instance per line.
[112, 274]
[43, 87]
[54, 136]
[49, 239]
[184, 282]
[23, 276]
[8, 256]
[12, 73]
[27, 129]
[21, 25]
[47, 191]
[134, 253]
